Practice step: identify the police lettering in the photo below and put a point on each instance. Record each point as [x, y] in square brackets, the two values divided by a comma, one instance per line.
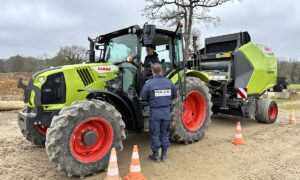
[163, 92]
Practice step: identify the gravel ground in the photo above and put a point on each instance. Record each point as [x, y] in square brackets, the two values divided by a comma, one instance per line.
[271, 152]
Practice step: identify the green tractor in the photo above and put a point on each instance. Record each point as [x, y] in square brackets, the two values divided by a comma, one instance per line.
[79, 112]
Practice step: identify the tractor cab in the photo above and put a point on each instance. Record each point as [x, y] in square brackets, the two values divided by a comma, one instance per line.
[129, 44]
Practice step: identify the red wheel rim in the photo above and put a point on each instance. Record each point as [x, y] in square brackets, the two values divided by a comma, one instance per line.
[194, 112]
[42, 130]
[91, 153]
[273, 112]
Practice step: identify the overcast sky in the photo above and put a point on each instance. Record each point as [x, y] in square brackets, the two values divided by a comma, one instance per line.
[38, 27]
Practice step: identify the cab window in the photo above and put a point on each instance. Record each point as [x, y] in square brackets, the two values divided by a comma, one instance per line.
[162, 49]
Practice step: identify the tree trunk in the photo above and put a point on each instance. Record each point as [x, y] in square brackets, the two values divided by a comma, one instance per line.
[187, 33]
[195, 45]
[293, 72]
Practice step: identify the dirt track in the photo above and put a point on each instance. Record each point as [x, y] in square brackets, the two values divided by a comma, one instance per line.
[271, 152]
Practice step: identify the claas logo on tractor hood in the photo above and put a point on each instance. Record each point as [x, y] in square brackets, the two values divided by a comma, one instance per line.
[265, 49]
[103, 69]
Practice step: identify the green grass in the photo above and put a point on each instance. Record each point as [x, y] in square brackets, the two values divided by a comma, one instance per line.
[293, 98]
[294, 86]
[288, 107]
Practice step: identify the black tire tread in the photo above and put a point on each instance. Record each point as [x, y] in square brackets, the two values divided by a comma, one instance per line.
[262, 110]
[178, 133]
[60, 123]
[34, 137]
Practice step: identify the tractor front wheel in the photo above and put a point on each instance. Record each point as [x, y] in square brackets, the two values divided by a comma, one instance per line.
[190, 118]
[80, 138]
[36, 135]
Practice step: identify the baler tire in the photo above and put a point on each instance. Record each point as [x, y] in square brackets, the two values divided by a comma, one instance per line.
[263, 111]
[178, 131]
[59, 136]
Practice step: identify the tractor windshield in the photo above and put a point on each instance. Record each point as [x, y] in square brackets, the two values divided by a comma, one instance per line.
[119, 48]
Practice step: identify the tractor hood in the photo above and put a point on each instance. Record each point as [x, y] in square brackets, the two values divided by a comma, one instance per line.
[57, 87]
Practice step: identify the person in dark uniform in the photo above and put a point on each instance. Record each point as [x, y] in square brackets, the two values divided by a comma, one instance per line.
[159, 92]
[152, 57]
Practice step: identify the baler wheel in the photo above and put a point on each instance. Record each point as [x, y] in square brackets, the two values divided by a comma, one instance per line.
[266, 111]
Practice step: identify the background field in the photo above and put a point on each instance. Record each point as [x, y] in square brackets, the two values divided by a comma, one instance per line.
[294, 86]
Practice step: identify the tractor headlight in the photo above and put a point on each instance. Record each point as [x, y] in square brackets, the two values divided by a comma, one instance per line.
[41, 80]
[114, 85]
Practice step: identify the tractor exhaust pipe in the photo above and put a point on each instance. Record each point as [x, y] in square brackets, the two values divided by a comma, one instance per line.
[91, 51]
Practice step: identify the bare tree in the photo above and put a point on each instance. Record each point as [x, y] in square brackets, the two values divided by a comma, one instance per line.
[196, 40]
[73, 54]
[2, 66]
[293, 71]
[188, 11]
[289, 68]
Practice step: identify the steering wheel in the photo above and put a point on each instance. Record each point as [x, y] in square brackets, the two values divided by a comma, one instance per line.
[130, 59]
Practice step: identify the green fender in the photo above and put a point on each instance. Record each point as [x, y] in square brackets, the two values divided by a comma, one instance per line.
[189, 73]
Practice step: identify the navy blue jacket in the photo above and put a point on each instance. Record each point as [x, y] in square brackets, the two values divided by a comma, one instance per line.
[159, 92]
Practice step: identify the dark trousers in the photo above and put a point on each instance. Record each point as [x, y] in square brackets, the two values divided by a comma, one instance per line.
[159, 128]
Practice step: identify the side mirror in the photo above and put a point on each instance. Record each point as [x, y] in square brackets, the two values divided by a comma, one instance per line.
[98, 47]
[148, 34]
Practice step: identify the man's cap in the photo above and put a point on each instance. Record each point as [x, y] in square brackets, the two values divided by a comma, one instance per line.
[151, 46]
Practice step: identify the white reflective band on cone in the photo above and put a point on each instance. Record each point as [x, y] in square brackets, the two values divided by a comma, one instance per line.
[135, 155]
[135, 168]
[112, 172]
[238, 136]
[113, 158]
[238, 128]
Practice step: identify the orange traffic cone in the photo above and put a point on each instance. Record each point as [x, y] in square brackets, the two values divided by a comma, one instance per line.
[238, 138]
[113, 171]
[292, 120]
[135, 171]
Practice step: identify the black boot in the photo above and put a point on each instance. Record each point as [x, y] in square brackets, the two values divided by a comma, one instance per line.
[155, 156]
[164, 155]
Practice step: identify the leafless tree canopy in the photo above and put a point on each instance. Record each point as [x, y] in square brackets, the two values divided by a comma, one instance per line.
[289, 68]
[187, 11]
[66, 55]
[73, 54]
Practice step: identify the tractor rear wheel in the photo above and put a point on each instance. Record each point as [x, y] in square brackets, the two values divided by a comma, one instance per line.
[190, 118]
[266, 111]
[80, 138]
